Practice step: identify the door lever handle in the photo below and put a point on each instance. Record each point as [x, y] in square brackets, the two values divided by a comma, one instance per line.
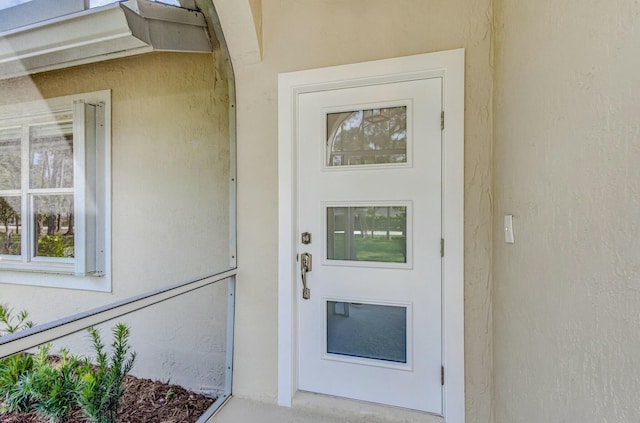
[305, 266]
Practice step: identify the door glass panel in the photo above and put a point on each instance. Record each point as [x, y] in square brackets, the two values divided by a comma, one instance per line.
[367, 233]
[367, 331]
[10, 229]
[365, 137]
[53, 226]
[51, 158]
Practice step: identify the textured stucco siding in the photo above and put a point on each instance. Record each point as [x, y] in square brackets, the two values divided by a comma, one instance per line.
[301, 35]
[567, 154]
[170, 207]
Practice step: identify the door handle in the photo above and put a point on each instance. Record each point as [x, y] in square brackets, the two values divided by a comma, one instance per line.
[305, 266]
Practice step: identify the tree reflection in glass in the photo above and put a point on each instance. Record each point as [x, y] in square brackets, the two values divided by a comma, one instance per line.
[367, 233]
[364, 137]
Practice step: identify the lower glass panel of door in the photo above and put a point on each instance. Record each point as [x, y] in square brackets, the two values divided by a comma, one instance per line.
[370, 331]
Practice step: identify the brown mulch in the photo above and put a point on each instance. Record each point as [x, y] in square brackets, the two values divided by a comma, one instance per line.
[145, 401]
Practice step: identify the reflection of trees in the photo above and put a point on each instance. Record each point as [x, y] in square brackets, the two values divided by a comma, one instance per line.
[8, 212]
[51, 166]
[9, 162]
[370, 136]
[54, 212]
[370, 233]
[10, 179]
[380, 218]
[50, 156]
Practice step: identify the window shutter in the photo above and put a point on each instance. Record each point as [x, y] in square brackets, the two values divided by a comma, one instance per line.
[88, 141]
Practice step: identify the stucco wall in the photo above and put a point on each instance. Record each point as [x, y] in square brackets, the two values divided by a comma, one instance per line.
[316, 33]
[170, 204]
[567, 148]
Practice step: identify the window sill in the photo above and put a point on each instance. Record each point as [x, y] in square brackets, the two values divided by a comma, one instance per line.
[53, 276]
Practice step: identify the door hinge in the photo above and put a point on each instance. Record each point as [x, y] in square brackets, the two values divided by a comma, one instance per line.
[441, 247]
[442, 375]
[442, 120]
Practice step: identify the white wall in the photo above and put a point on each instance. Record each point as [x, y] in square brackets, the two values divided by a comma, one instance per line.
[316, 33]
[170, 205]
[567, 154]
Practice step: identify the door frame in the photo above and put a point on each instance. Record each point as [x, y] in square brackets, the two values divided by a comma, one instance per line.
[449, 65]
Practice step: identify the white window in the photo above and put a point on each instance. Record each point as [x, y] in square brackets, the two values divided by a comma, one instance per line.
[54, 186]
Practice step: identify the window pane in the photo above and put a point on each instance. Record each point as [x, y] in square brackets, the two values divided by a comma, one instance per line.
[10, 227]
[10, 163]
[53, 226]
[369, 233]
[51, 157]
[367, 331]
[371, 136]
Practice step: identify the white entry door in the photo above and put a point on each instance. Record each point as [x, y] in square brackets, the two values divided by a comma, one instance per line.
[369, 213]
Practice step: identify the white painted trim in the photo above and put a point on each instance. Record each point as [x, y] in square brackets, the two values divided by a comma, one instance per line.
[98, 34]
[241, 30]
[450, 66]
[453, 232]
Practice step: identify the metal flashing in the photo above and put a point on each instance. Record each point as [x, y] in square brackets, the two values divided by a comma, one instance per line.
[93, 35]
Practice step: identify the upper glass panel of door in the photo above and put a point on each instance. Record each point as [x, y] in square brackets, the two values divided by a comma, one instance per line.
[367, 137]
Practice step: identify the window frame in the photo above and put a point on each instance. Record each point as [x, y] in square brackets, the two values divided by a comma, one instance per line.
[90, 268]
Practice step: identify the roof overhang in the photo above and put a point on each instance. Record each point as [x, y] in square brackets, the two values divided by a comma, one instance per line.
[116, 30]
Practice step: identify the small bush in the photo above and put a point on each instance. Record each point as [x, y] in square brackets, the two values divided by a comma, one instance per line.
[12, 369]
[50, 389]
[11, 323]
[102, 386]
[54, 390]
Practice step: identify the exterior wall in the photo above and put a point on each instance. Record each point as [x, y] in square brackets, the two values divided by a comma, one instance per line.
[170, 205]
[316, 33]
[567, 148]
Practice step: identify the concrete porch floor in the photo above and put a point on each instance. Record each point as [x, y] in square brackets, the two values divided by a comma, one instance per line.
[313, 408]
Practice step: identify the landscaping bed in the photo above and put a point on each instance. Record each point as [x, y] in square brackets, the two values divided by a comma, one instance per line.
[145, 401]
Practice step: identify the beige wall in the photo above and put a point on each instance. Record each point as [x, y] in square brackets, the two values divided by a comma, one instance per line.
[170, 202]
[567, 154]
[316, 33]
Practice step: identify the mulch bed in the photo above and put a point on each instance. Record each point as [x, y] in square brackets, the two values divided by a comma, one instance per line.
[145, 401]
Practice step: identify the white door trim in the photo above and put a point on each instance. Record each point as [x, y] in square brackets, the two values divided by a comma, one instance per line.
[450, 66]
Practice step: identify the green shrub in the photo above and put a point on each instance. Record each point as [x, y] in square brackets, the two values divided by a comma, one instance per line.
[12, 369]
[13, 323]
[102, 385]
[50, 389]
[54, 390]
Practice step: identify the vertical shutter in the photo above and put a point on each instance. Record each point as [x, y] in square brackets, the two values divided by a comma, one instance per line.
[85, 211]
